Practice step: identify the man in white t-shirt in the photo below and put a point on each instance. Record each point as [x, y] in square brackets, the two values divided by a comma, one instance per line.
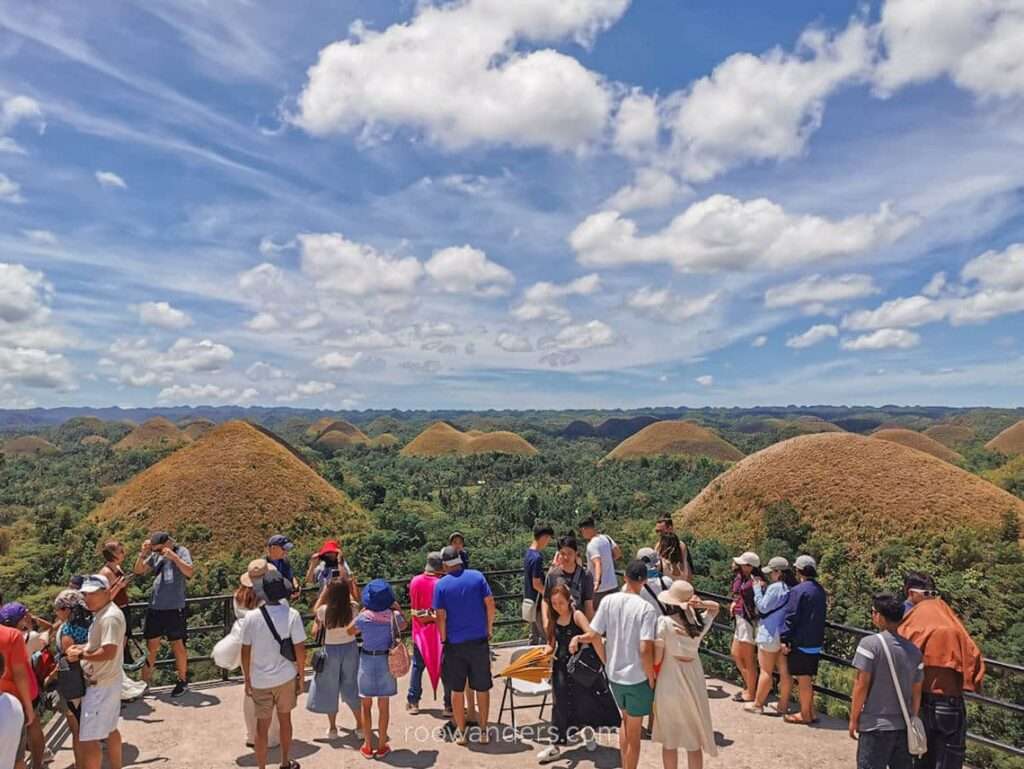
[273, 680]
[602, 553]
[629, 625]
[102, 658]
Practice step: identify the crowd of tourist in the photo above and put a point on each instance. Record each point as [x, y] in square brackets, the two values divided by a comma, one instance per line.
[620, 654]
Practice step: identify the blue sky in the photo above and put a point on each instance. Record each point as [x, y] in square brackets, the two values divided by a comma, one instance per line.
[483, 204]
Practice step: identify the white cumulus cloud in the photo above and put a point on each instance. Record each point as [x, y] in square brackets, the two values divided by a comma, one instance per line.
[338, 361]
[817, 291]
[111, 180]
[725, 233]
[510, 342]
[883, 339]
[753, 108]
[662, 303]
[585, 336]
[32, 367]
[651, 188]
[343, 266]
[163, 315]
[705, 380]
[976, 43]
[543, 300]
[812, 336]
[263, 322]
[196, 394]
[460, 73]
[467, 270]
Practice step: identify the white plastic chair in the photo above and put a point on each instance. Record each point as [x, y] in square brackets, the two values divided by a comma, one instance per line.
[528, 689]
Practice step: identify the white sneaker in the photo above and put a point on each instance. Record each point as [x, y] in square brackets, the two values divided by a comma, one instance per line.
[549, 754]
[461, 737]
[332, 733]
[485, 736]
[412, 708]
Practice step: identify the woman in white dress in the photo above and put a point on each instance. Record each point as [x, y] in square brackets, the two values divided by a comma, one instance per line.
[682, 713]
[227, 653]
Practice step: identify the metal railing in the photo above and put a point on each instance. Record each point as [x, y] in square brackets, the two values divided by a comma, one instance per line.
[227, 618]
[224, 605]
[849, 630]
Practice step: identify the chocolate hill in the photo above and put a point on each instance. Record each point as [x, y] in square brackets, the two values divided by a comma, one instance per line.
[329, 424]
[805, 425]
[28, 446]
[950, 435]
[239, 481]
[155, 433]
[441, 438]
[916, 440]
[863, 491]
[197, 428]
[1010, 441]
[332, 440]
[675, 438]
[94, 440]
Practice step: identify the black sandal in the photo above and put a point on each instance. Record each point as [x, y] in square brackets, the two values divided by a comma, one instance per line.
[291, 765]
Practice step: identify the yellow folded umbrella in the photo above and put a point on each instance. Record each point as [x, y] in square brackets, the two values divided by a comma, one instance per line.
[533, 666]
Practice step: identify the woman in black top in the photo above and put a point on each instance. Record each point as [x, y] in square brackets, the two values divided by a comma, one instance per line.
[580, 706]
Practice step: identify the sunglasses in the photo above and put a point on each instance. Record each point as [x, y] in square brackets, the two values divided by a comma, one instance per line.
[926, 593]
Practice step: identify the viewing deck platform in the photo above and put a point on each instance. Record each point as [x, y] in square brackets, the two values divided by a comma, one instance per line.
[204, 729]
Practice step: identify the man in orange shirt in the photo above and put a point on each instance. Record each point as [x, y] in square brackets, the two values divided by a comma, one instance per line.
[17, 672]
[952, 665]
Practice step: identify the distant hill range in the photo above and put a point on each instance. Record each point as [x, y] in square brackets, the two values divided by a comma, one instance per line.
[955, 426]
[616, 428]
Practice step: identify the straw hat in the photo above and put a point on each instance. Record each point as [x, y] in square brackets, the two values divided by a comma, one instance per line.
[678, 594]
[256, 570]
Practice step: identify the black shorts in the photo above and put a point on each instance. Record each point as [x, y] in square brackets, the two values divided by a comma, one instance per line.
[171, 624]
[802, 664]
[470, 660]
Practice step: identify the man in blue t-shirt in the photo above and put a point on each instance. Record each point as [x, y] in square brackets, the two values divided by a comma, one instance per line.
[533, 583]
[464, 607]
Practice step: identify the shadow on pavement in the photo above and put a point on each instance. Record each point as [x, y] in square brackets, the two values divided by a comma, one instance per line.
[300, 749]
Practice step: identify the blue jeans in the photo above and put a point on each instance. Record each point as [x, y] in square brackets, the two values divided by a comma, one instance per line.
[416, 679]
[883, 750]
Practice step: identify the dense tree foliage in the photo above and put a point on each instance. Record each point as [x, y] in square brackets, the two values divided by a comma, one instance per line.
[46, 535]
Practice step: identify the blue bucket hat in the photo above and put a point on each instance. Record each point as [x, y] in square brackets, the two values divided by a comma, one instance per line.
[378, 595]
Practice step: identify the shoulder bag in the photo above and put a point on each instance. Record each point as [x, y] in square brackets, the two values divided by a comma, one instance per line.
[70, 679]
[917, 737]
[320, 655]
[285, 645]
[398, 655]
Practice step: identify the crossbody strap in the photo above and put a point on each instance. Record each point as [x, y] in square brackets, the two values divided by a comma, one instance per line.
[270, 624]
[655, 597]
[780, 607]
[895, 680]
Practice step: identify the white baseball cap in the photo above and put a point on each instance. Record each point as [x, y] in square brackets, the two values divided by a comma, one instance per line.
[803, 561]
[747, 559]
[94, 583]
